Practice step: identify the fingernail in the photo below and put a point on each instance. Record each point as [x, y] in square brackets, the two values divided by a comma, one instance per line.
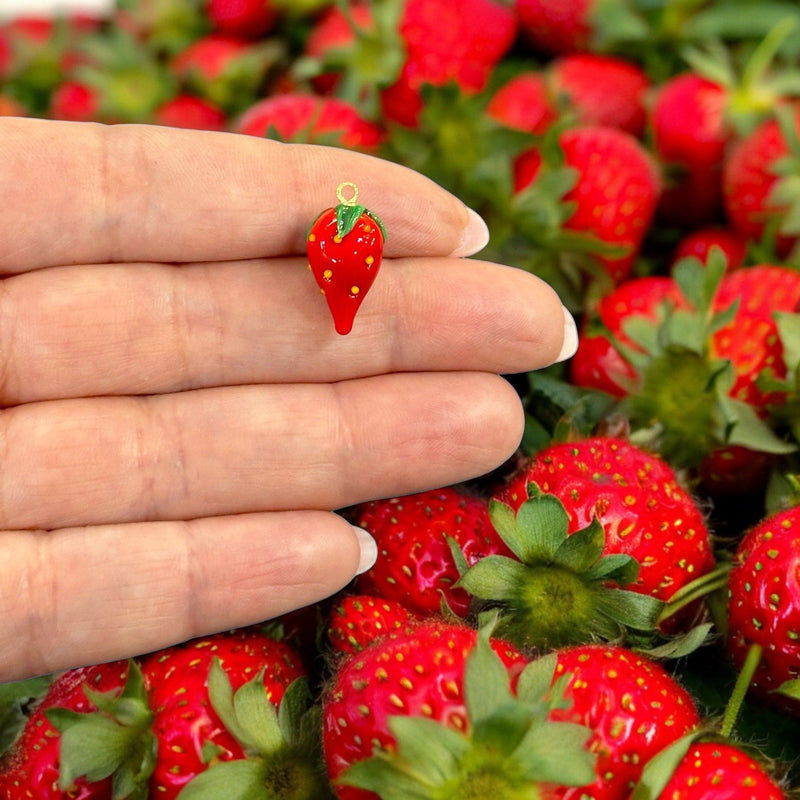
[369, 549]
[474, 237]
[570, 344]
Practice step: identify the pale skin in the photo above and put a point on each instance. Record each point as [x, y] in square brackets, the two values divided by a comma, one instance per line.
[179, 421]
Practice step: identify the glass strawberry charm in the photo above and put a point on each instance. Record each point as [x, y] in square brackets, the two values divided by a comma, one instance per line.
[345, 248]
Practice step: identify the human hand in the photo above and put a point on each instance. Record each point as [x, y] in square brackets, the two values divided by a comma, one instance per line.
[178, 417]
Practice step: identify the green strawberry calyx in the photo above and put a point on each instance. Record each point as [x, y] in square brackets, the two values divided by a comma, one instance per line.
[283, 748]
[115, 740]
[508, 749]
[681, 384]
[560, 589]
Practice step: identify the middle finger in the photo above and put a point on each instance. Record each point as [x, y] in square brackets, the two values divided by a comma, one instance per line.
[123, 329]
[241, 449]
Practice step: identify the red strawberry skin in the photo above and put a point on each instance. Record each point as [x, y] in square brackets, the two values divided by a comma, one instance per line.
[601, 90]
[345, 265]
[636, 496]
[415, 566]
[717, 771]
[690, 135]
[31, 768]
[751, 340]
[554, 26]
[597, 363]
[248, 19]
[524, 103]
[764, 604]
[419, 674]
[359, 620]
[633, 707]
[749, 179]
[297, 117]
[616, 193]
[184, 721]
[189, 111]
[442, 41]
[699, 242]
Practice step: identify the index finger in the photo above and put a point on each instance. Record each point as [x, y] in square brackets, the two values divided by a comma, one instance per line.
[89, 193]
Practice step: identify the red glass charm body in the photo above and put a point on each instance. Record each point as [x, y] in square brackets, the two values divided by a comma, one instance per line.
[345, 249]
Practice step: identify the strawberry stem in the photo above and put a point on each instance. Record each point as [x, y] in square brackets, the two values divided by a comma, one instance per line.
[740, 688]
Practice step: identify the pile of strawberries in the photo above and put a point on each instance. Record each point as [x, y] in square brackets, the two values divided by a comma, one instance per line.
[614, 613]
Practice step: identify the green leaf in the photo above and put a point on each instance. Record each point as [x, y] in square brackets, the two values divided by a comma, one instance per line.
[347, 216]
[659, 769]
[14, 698]
[92, 745]
[542, 525]
[494, 578]
[434, 750]
[789, 331]
[257, 717]
[618, 567]
[745, 428]
[220, 693]
[790, 688]
[556, 752]
[486, 681]
[388, 779]
[631, 609]
[294, 704]
[243, 779]
[580, 550]
[536, 679]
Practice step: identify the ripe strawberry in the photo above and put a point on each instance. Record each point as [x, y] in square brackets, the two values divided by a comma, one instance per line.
[609, 199]
[645, 512]
[185, 724]
[359, 620]
[416, 566]
[226, 70]
[600, 90]
[633, 707]
[76, 102]
[31, 768]
[555, 27]
[758, 182]
[247, 19]
[699, 242]
[410, 43]
[715, 770]
[597, 362]
[690, 134]
[695, 370]
[345, 249]
[188, 111]
[764, 606]
[442, 698]
[524, 103]
[296, 117]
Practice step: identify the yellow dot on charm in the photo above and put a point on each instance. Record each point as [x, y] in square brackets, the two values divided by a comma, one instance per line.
[366, 228]
[312, 237]
[322, 291]
[354, 290]
[327, 274]
[370, 260]
[337, 239]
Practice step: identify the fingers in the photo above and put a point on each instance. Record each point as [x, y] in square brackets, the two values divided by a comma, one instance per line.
[81, 193]
[160, 583]
[250, 448]
[153, 328]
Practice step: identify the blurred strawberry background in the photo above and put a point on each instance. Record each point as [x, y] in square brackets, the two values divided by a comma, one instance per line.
[643, 156]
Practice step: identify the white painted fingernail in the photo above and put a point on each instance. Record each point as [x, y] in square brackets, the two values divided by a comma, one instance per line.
[474, 237]
[570, 344]
[369, 549]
